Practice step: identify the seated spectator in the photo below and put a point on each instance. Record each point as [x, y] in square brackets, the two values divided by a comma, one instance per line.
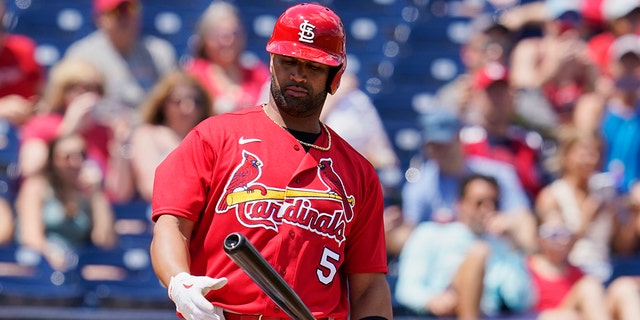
[489, 42]
[73, 103]
[21, 77]
[218, 62]
[21, 80]
[621, 17]
[585, 201]
[563, 291]
[131, 62]
[431, 192]
[620, 121]
[64, 208]
[467, 268]
[556, 64]
[351, 113]
[496, 135]
[176, 104]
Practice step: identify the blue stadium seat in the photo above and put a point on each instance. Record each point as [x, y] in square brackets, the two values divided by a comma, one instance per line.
[625, 266]
[121, 278]
[133, 224]
[9, 150]
[26, 278]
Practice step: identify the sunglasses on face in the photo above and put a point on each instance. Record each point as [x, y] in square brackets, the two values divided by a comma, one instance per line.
[179, 100]
[559, 234]
[492, 202]
[82, 154]
[81, 87]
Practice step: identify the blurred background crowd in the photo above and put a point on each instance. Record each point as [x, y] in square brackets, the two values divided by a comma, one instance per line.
[506, 135]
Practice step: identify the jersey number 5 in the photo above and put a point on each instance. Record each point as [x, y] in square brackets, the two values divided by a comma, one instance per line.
[327, 270]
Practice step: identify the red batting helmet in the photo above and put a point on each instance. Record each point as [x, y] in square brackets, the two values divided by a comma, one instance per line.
[311, 32]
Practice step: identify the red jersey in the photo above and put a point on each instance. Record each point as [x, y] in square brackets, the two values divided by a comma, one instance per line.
[551, 292]
[517, 149]
[315, 216]
[19, 72]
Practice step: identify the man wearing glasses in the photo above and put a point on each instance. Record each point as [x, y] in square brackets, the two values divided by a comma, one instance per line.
[468, 268]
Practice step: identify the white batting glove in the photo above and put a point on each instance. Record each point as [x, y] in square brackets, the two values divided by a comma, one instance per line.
[188, 292]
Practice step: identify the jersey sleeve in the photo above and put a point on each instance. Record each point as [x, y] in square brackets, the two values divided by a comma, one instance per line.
[182, 181]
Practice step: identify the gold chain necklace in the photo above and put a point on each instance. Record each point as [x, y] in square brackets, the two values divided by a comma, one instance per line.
[311, 145]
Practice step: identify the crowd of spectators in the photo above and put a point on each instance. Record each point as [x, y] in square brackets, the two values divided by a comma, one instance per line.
[524, 189]
[549, 119]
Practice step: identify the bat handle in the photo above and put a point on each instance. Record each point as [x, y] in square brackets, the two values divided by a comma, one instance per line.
[247, 257]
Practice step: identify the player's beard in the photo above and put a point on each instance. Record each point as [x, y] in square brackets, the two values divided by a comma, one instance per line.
[297, 106]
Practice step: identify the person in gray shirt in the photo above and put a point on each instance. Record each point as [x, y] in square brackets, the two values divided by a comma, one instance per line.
[132, 62]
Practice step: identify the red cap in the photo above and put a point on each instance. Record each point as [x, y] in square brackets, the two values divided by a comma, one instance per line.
[491, 73]
[107, 5]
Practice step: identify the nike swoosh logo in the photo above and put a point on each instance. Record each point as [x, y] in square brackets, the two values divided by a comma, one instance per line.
[187, 286]
[242, 140]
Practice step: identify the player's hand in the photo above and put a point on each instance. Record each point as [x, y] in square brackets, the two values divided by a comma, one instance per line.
[188, 292]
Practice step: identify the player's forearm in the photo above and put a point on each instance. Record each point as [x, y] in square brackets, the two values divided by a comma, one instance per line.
[370, 296]
[169, 249]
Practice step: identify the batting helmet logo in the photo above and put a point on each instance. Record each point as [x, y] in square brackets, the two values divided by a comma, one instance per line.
[306, 32]
[311, 32]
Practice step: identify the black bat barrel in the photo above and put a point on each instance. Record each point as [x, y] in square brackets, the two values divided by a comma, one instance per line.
[245, 255]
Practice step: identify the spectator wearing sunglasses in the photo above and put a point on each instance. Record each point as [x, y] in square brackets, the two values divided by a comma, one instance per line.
[132, 62]
[220, 62]
[585, 200]
[176, 104]
[468, 268]
[563, 291]
[63, 209]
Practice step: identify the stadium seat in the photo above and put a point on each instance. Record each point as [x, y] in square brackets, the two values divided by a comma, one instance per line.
[26, 278]
[120, 278]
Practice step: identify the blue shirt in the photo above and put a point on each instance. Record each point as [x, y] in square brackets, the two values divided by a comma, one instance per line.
[432, 255]
[437, 193]
[621, 134]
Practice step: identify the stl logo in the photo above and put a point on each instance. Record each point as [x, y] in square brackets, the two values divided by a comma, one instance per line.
[306, 32]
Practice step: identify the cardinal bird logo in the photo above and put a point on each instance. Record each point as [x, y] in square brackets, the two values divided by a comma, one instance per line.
[330, 179]
[244, 175]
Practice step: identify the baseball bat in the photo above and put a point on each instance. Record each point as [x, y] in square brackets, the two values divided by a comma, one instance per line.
[247, 257]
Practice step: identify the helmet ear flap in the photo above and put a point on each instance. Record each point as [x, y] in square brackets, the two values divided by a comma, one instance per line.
[333, 81]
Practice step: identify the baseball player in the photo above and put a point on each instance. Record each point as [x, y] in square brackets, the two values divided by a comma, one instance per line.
[301, 195]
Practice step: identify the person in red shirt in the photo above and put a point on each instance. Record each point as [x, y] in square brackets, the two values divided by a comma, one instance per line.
[564, 292]
[21, 77]
[494, 135]
[621, 17]
[218, 62]
[73, 102]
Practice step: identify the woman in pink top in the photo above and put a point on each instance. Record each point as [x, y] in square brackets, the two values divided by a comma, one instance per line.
[218, 65]
[73, 104]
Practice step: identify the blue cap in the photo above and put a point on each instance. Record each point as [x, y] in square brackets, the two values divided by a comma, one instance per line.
[440, 126]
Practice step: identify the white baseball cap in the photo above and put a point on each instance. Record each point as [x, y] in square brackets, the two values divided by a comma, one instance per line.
[629, 43]
[616, 9]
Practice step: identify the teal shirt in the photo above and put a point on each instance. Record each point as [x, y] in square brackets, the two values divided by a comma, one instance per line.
[432, 255]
